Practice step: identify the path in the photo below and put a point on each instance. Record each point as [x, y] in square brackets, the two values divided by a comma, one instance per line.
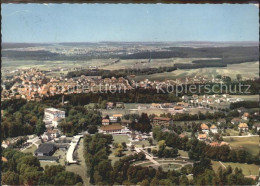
[148, 156]
[222, 164]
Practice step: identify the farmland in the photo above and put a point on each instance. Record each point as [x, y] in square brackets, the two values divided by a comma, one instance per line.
[231, 70]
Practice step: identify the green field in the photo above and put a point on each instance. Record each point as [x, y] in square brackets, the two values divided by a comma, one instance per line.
[251, 144]
[120, 139]
[230, 70]
[155, 63]
[248, 169]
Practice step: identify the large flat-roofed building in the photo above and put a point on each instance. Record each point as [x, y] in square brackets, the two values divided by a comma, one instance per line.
[52, 116]
[45, 149]
[113, 129]
[51, 113]
[161, 121]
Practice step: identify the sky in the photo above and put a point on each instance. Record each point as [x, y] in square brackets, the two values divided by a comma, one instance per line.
[48, 23]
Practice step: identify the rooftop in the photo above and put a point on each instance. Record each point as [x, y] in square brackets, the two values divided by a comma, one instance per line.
[45, 148]
[111, 127]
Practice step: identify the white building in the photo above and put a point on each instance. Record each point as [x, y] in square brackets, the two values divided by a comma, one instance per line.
[52, 116]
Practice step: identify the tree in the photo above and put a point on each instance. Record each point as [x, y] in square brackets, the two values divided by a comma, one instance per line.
[119, 150]
[150, 140]
[239, 77]
[10, 178]
[92, 129]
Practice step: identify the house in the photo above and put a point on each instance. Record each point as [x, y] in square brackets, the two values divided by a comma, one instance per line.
[161, 121]
[214, 144]
[245, 116]
[213, 129]
[4, 159]
[202, 137]
[105, 121]
[45, 149]
[113, 129]
[204, 128]
[243, 127]
[236, 121]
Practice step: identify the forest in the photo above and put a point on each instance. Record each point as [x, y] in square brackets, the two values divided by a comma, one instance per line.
[24, 169]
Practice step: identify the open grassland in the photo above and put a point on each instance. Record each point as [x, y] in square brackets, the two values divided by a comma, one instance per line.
[155, 63]
[247, 70]
[248, 169]
[251, 144]
[47, 65]
[120, 138]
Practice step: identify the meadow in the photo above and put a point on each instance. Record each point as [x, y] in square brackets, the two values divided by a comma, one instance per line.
[248, 169]
[251, 144]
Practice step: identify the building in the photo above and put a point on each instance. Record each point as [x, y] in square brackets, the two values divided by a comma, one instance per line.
[105, 121]
[53, 116]
[213, 129]
[113, 129]
[235, 121]
[45, 149]
[156, 105]
[202, 137]
[243, 127]
[161, 121]
[204, 128]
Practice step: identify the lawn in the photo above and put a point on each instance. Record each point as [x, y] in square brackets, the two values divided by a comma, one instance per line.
[121, 138]
[248, 169]
[141, 143]
[251, 144]
[183, 153]
[232, 132]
